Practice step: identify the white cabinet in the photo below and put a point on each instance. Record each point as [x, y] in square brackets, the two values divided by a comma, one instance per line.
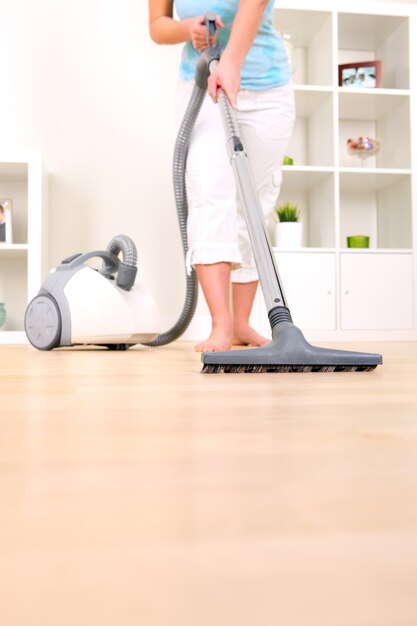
[340, 195]
[309, 284]
[22, 260]
[312, 299]
[375, 291]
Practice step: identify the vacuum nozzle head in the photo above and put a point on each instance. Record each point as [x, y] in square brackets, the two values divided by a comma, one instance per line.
[288, 352]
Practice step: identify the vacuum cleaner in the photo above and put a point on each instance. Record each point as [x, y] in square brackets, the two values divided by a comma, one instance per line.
[106, 307]
[78, 304]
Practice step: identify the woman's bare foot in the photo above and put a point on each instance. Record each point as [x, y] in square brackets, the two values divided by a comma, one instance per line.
[214, 343]
[245, 335]
[219, 340]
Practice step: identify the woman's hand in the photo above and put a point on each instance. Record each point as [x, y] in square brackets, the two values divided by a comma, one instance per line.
[164, 29]
[226, 76]
[244, 29]
[198, 31]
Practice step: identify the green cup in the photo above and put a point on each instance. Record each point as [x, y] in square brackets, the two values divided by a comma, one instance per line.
[358, 241]
[288, 161]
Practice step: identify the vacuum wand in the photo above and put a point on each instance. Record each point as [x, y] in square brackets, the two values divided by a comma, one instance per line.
[265, 262]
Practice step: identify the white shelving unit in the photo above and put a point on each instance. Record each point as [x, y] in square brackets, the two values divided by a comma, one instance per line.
[335, 292]
[22, 262]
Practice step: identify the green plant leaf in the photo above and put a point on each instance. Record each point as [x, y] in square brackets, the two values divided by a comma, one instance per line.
[287, 212]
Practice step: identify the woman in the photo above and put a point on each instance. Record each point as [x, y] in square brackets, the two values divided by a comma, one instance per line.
[254, 73]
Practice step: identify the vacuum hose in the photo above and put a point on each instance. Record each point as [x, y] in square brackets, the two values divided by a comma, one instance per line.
[127, 269]
[180, 159]
[125, 245]
[212, 53]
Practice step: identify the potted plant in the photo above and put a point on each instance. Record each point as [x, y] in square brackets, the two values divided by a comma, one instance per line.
[288, 229]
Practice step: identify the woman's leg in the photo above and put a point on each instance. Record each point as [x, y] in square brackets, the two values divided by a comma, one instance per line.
[211, 221]
[227, 329]
[266, 121]
[243, 295]
[215, 283]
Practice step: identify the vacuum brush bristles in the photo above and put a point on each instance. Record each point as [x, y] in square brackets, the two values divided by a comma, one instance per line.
[288, 351]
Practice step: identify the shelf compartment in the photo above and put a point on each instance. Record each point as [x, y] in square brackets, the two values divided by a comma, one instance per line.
[13, 172]
[312, 139]
[364, 104]
[382, 115]
[13, 291]
[14, 185]
[385, 38]
[312, 36]
[314, 193]
[362, 179]
[12, 251]
[377, 204]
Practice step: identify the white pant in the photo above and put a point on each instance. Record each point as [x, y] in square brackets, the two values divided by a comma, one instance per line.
[216, 227]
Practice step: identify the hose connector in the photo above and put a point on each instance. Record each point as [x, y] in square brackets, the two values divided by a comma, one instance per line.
[127, 269]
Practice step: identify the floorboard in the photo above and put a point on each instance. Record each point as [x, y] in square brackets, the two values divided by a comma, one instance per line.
[136, 491]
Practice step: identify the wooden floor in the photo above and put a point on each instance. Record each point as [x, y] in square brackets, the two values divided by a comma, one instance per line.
[136, 491]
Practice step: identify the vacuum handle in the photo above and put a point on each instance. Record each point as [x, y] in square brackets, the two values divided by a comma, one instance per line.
[210, 20]
[111, 262]
[126, 274]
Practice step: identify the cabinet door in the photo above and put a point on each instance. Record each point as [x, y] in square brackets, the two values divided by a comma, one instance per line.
[376, 291]
[308, 280]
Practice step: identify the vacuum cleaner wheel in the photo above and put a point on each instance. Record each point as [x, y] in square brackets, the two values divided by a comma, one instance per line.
[43, 323]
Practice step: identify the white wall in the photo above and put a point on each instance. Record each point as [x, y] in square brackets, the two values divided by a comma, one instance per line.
[82, 81]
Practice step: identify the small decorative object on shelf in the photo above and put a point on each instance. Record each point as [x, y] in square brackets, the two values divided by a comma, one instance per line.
[360, 75]
[288, 230]
[2, 314]
[287, 160]
[363, 147]
[358, 241]
[6, 220]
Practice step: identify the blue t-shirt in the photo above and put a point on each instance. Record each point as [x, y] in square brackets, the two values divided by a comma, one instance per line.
[266, 64]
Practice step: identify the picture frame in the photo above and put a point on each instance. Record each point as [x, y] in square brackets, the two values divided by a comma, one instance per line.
[364, 75]
[6, 218]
